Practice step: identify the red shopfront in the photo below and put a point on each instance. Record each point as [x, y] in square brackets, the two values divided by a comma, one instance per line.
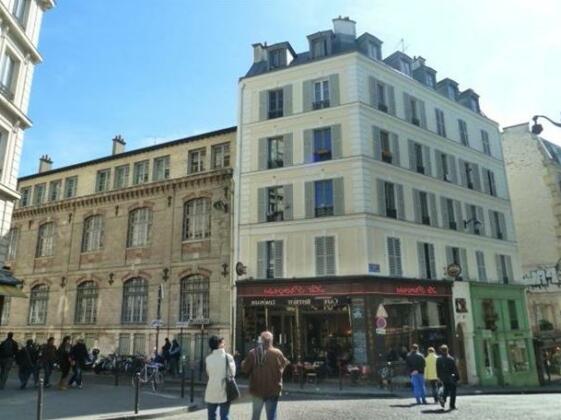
[363, 320]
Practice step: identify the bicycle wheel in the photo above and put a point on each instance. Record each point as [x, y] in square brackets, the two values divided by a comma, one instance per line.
[157, 381]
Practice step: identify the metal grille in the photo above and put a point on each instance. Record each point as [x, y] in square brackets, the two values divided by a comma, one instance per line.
[93, 233]
[196, 224]
[140, 221]
[38, 304]
[135, 301]
[45, 241]
[194, 298]
[86, 303]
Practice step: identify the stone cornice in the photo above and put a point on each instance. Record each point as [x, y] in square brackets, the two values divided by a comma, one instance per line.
[214, 178]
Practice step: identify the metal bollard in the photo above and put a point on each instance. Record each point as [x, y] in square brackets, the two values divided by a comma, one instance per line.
[301, 370]
[40, 400]
[116, 376]
[192, 390]
[136, 392]
[183, 380]
[340, 378]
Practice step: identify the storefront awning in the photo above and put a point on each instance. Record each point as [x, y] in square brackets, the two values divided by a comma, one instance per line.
[12, 291]
[9, 285]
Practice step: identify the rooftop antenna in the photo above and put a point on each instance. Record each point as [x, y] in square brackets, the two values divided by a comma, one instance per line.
[401, 44]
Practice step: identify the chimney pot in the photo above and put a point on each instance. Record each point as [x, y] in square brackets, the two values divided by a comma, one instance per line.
[45, 163]
[118, 144]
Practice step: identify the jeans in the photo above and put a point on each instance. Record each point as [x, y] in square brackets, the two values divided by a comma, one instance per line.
[224, 410]
[450, 390]
[5, 367]
[76, 375]
[48, 369]
[24, 374]
[418, 383]
[270, 407]
[434, 388]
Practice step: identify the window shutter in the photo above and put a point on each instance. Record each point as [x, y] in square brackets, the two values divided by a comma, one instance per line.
[279, 272]
[432, 261]
[452, 169]
[417, 206]
[320, 255]
[476, 177]
[287, 100]
[381, 197]
[470, 227]
[263, 158]
[459, 215]
[433, 211]
[427, 161]
[503, 225]
[373, 92]
[334, 95]
[394, 257]
[412, 160]
[438, 161]
[493, 224]
[390, 92]
[492, 184]
[262, 205]
[330, 265]
[377, 144]
[407, 106]
[482, 272]
[395, 149]
[508, 264]
[288, 149]
[336, 142]
[261, 259]
[308, 146]
[463, 178]
[444, 208]
[288, 202]
[423, 114]
[309, 198]
[399, 199]
[481, 218]
[422, 261]
[464, 263]
[263, 105]
[391, 256]
[338, 197]
[449, 256]
[500, 274]
[307, 95]
[486, 186]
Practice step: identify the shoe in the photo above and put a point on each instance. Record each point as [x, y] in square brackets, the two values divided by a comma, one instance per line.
[453, 408]
[79, 386]
[442, 402]
[425, 402]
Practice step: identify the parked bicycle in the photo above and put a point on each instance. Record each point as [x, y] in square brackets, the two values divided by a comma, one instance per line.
[151, 373]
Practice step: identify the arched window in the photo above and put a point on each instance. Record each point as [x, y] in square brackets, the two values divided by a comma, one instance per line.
[140, 222]
[196, 219]
[46, 240]
[193, 298]
[135, 301]
[13, 237]
[92, 236]
[86, 303]
[38, 303]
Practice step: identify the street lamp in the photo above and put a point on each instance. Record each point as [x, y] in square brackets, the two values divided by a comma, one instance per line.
[165, 277]
[476, 223]
[537, 128]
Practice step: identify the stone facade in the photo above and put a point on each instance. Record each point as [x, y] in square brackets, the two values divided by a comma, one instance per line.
[174, 249]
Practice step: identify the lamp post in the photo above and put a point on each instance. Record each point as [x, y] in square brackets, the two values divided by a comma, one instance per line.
[537, 128]
[165, 277]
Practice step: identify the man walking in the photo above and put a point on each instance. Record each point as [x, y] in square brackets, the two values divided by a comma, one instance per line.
[78, 357]
[416, 365]
[8, 351]
[448, 374]
[47, 359]
[26, 359]
[174, 356]
[265, 365]
[430, 372]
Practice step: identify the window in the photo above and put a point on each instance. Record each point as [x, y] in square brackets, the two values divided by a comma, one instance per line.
[194, 298]
[121, 177]
[374, 51]
[276, 58]
[452, 93]
[321, 94]
[196, 219]
[319, 47]
[45, 240]
[5, 315]
[504, 269]
[221, 155]
[451, 213]
[102, 180]
[394, 257]
[455, 255]
[276, 99]
[139, 344]
[135, 301]
[92, 236]
[518, 355]
[275, 152]
[489, 182]
[498, 227]
[418, 151]
[86, 303]
[429, 80]
[414, 111]
[468, 170]
[140, 223]
[197, 161]
[70, 185]
[38, 304]
[124, 344]
[8, 75]
[161, 168]
[140, 172]
[481, 271]
[405, 67]
[270, 259]
[485, 142]
[472, 217]
[325, 255]
[440, 125]
[324, 198]
[39, 194]
[389, 196]
[463, 132]
[55, 189]
[424, 205]
[490, 317]
[427, 266]
[25, 199]
[13, 238]
[387, 155]
[513, 315]
[275, 204]
[322, 144]
[19, 10]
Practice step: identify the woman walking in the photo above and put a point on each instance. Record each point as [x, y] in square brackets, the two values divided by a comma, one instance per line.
[64, 361]
[430, 372]
[219, 365]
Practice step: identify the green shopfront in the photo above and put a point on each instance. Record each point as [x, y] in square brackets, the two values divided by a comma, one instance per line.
[502, 337]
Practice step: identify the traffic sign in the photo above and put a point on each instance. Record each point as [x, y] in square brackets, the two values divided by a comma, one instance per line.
[381, 312]
[156, 323]
[182, 324]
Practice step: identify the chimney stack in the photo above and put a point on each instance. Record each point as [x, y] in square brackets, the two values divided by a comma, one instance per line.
[259, 52]
[344, 26]
[118, 144]
[45, 164]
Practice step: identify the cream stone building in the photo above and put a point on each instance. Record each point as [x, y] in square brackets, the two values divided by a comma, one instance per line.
[533, 167]
[97, 242]
[359, 180]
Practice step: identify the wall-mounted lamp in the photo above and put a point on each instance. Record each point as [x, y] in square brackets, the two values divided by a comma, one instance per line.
[165, 275]
[110, 281]
[225, 269]
[62, 282]
[538, 128]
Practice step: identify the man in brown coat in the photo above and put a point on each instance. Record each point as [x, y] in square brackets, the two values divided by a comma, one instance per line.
[265, 365]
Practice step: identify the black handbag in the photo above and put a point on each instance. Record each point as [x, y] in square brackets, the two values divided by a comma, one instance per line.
[232, 390]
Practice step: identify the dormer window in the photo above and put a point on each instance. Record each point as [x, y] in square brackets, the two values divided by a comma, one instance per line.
[319, 47]
[276, 58]
[429, 80]
[405, 67]
[374, 51]
[452, 92]
[473, 104]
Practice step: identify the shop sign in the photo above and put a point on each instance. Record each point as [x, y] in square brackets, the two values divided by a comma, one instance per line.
[373, 268]
[461, 306]
[296, 290]
[262, 302]
[299, 301]
[416, 290]
[381, 312]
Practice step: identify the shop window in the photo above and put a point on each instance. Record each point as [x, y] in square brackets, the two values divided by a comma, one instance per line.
[490, 317]
[518, 354]
[513, 315]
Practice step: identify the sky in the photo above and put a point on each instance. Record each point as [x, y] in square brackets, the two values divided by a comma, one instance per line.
[158, 70]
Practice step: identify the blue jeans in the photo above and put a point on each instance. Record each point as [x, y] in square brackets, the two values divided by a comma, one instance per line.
[224, 410]
[76, 375]
[418, 383]
[270, 407]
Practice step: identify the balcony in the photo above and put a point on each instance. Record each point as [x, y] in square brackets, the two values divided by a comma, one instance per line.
[6, 91]
[416, 121]
[320, 104]
[324, 211]
[275, 163]
[321, 155]
[275, 216]
[387, 156]
[391, 213]
[383, 108]
[275, 113]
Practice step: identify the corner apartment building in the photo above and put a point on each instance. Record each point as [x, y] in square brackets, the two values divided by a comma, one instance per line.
[359, 181]
[97, 243]
[533, 167]
[19, 37]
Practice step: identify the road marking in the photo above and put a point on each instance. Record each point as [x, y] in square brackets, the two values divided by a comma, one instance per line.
[157, 394]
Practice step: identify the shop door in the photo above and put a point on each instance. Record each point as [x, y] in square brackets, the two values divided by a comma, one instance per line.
[283, 325]
[497, 363]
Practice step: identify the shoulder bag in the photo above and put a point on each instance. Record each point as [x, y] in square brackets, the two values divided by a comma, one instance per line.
[232, 390]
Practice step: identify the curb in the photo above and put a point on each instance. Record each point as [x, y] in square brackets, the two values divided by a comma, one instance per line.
[151, 414]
